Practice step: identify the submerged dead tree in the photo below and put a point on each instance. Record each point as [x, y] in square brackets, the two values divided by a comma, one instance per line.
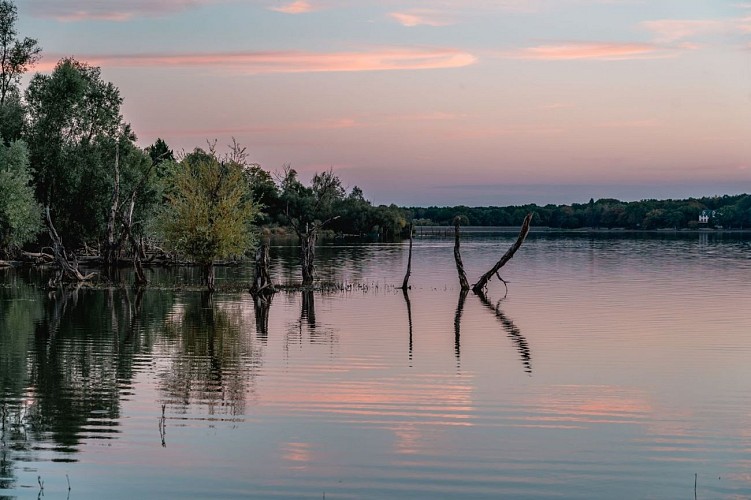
[68, 270]
[463, 283]
[262, 284]
[483, 281]
[405, 283]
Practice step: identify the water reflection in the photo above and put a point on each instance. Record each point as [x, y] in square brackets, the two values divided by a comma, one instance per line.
[308, 312]
[211, 360]
[457, 326]
[409, 322]
[512, 331]
[261, 308]
[67, 359]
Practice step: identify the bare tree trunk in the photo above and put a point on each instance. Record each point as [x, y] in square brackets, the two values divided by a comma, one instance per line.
[308, 255]
[68, 270]
[405, 283]
[262, 281]
[483, 281]
[136, 246]
[463, 283]
[209, 276]
[110, 253]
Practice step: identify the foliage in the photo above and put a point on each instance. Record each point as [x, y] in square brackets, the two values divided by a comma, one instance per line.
[16, 55]
[209, 214]
[20, 215]
[74, 128]
[12, 116]
[160, 152]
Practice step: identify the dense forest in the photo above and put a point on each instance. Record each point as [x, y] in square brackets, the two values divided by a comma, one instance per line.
[74, 183]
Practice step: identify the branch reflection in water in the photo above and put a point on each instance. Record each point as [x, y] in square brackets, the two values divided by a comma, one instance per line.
[261, 307]
[512, 331]
[308, 312]
[409, 322]
[457, 325]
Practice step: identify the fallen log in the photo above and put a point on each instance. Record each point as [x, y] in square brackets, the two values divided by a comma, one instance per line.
[37, 257]
[479, 287]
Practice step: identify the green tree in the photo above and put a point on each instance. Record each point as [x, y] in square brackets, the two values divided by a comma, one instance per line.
[16, 55]
[12, 117]
[159, 152]
[308, 210]
[210, 213]
[74, 126]
[20, 215]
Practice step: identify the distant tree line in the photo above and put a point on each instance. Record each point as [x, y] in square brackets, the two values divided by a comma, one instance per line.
[607, 213]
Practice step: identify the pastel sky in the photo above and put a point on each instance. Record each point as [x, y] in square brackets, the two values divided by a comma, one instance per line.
[440, 102]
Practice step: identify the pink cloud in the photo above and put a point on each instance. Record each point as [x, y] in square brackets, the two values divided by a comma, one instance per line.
[603, 51]
[672, 30]
[85, 10]
[289, 61]
[420, 17]
[297, 7]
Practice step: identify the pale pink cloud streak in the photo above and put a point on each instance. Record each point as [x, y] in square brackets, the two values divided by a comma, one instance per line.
[673, 30]
[420, 17]
[297, 7]
[119, 11]
[289, 61]
[603, 51]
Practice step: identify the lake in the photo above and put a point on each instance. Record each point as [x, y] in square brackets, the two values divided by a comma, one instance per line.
[617, 366]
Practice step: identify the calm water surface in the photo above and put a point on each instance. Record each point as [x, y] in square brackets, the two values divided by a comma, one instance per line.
[616, 367]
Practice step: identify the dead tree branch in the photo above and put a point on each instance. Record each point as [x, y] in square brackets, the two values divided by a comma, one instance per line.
[483, 281]
[463, 283]
[405, 283]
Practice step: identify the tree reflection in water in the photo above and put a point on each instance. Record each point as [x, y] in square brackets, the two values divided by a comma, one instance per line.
[261, 308]
[67, 357]
[213, 362]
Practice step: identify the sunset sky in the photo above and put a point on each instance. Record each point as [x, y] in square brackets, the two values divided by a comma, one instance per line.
[478, 102]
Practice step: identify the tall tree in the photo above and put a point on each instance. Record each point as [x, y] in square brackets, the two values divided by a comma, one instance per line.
[210, 213]
[20, 214]
[16, 55]
[159, 152]
[74, 124]
[308, 210]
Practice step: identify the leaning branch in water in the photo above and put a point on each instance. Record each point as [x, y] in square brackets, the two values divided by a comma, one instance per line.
[483, 281]
[405, 283]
